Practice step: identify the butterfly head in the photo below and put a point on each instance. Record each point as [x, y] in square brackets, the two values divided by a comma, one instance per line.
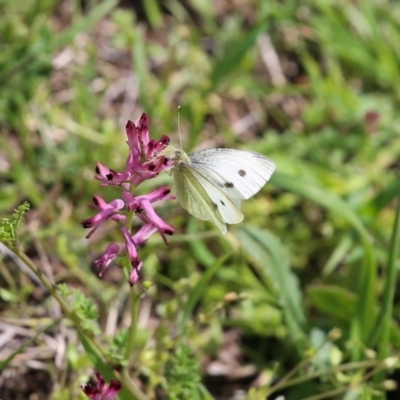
[177, 155]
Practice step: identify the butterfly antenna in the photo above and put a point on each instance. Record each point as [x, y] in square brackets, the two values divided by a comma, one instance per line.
[179, 126]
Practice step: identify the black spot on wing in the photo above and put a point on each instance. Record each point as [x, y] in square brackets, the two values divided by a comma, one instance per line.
[222, 202]
[242, 172]
[229, 185]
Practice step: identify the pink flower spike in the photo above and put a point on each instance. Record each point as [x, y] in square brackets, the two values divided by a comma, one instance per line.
[154, 219]
[100, 391]
[156, 146]
[143, 234]
[133, 140]
[109, 177]
[107, 212]
[134, 274]
[142, 204]
[110, 253]
[162, 193]
[130, 247]
[145, 161]
[142, 150]
[163, 164]
[98, 203]
[103, 173]
[130, 202]
[134, 203]
[143, 129]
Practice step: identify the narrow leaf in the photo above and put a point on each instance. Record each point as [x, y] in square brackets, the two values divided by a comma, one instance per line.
[272, 260]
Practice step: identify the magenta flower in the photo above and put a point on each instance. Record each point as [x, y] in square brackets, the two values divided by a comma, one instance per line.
[140, 164]
[100, 391]
[143, 163]
[109, 255]
[107, 211]
[130, 247]
[134, 274]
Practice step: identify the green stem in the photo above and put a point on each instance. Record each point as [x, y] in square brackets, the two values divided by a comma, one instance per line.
[131, 387]
[381, 366]
[134, 321]
[52, 289]
[285, 383]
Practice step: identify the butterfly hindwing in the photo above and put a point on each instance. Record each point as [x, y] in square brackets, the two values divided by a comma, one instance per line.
[229, 211]
[200, 198]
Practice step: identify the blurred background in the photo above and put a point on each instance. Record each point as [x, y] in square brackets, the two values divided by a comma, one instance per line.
[314, 85]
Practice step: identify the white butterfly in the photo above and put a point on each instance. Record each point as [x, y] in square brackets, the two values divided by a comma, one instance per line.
[210, 184]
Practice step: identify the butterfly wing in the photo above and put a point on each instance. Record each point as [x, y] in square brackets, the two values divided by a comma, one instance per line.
[239, 174]
[203, 199]
[228, 208]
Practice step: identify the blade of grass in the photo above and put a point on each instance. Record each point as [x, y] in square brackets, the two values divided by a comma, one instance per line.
[199, 248]
[338, 255]
[362, 322]
[382, 325]
[153, 12]
[196, 292]
[272, 260]
[237, 50]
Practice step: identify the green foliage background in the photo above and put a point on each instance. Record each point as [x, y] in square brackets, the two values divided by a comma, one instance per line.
[318, 247]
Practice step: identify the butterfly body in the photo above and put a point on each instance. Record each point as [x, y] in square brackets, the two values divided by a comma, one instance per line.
[211, 183]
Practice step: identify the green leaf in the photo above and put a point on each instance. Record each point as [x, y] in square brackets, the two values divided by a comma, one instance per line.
[272, 260]
[333, 301]
[9, 226]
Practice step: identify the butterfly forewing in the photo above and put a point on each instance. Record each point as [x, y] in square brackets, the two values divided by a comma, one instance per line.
[239, 174]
